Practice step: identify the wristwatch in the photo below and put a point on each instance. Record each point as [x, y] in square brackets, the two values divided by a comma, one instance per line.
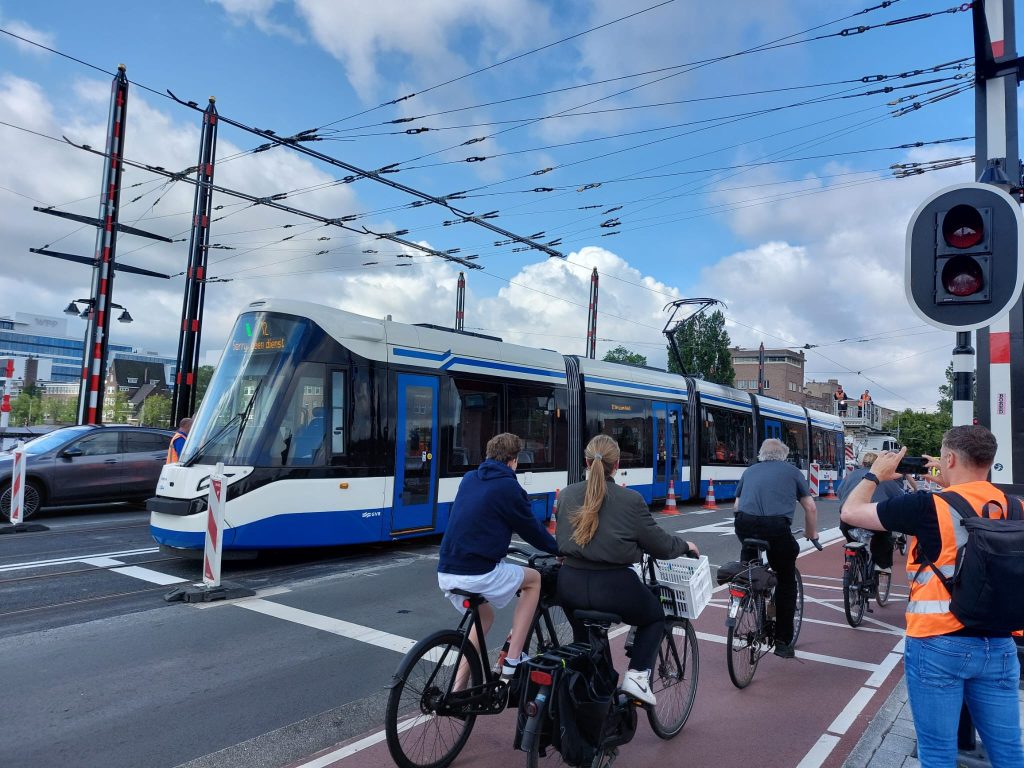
[871, 476]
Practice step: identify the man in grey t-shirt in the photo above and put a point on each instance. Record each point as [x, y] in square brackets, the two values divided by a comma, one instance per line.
[766, 498]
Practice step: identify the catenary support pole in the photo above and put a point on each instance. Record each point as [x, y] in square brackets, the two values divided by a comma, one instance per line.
[1000, 346]
[190, 333]
[592, 317]
[460, 302]
[94, 369]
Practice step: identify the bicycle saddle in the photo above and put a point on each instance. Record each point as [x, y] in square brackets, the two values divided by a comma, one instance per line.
[757, 544]
[855, 545]
[597, 617]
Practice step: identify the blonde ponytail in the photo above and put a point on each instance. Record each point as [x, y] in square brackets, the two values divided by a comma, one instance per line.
[602, 454]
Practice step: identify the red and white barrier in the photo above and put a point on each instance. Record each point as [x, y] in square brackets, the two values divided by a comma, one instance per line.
[214, 528]
[815, 478]
[18, 487]
[709, 500]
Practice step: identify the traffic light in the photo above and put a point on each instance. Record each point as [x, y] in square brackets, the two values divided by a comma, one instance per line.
[965, 257]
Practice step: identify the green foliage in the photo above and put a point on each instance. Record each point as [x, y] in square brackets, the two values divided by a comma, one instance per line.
[117, 409]
[203, 376]
[622, 355]
[920, 432]
[63, 410]
[155, 411]
[945, 403]
[26, 409]
[704, 347]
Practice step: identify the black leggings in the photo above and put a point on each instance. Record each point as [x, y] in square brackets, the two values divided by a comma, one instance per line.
[618, 591]
[782, 552]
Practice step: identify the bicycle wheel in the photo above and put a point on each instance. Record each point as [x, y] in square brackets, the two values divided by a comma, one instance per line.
[855, 591]
[884, 585]
[543, 636]
[674, 678]
[417, 737]
[553, 759]
[743, 643]
[798, 615]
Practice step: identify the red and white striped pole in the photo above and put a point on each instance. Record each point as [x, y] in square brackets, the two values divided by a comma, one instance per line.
[94, 370]
[815, 478]
[214, 528]
[18, 487]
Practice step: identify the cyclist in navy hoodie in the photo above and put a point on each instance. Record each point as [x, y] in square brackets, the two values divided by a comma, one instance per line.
[489, 507]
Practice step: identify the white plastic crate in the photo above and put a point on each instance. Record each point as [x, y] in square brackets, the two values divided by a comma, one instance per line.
[687, 585]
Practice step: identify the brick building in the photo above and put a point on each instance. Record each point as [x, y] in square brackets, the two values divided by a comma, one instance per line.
[783, 373]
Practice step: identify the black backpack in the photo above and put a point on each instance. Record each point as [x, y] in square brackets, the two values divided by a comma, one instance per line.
[986, 584]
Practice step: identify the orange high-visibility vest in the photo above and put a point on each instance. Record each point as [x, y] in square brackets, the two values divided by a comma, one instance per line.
[928, 611]
[172, 454]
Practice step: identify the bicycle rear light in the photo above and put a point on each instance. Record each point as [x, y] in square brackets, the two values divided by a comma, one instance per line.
[532, 709]
[540, 678]
[465, 603]
[737, 591]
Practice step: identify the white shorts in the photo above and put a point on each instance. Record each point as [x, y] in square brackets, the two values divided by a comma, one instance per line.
[498, 586]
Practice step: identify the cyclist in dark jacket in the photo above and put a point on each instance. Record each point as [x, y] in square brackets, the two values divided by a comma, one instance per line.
[602, 530]
[489, 507]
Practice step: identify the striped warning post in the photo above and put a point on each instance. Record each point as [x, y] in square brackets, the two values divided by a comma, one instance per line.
[213, 548]
[553, 521]
[18, 487]
[815, 478]
[709, 500]
[831, 490]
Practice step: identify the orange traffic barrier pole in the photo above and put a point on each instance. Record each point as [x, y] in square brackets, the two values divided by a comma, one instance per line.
[831, 490]
[709, 501]
[552, 522]
[670, 500]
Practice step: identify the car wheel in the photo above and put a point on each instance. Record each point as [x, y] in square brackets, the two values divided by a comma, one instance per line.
[33, 500]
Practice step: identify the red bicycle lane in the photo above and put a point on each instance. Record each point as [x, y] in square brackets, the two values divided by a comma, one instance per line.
[805, 712]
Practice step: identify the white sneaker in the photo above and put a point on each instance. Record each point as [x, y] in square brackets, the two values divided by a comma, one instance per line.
[508, 666]
[637, 683]
[883, 570]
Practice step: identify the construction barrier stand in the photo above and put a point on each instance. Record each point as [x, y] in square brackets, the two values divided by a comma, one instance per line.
[18, 487]
[214, 528]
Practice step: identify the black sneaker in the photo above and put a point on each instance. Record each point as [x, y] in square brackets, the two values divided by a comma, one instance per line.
[784, 650]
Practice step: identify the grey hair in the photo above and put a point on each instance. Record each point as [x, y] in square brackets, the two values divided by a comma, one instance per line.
[773, 450]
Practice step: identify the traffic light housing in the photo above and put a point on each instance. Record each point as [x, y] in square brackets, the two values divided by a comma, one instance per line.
[965, 257]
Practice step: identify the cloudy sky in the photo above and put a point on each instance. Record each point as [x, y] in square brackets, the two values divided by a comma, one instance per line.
[742, 151]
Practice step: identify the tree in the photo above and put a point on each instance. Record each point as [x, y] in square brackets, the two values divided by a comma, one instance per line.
[155, 411]
[203, 376]
[704, 347]
[64, 410]
[117, 409]
[920, 432]
[946, 394]
[26, 409]
[622, 355]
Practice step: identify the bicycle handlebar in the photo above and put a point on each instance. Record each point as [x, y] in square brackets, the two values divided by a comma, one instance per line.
[531, 557]
[815, 542]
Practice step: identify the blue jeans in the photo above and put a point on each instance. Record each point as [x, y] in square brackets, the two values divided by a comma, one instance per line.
[942, 672]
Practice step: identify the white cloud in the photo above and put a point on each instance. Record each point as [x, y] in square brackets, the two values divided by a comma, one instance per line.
[28, 32]
[258, 12]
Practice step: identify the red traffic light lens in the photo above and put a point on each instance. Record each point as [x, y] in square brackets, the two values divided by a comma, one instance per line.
[963, 227]
[962, 276]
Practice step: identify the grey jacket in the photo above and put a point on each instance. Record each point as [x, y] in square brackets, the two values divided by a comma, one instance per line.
[626, 529]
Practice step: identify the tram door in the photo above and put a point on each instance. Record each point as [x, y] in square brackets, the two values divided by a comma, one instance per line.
[668, 442]
[415, 493]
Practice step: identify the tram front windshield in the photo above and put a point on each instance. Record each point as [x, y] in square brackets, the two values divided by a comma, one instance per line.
[236, 422]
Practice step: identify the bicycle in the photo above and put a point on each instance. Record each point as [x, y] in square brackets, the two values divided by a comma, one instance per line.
[751, 618]
[429, 717]
[861, 581]
[674, 681]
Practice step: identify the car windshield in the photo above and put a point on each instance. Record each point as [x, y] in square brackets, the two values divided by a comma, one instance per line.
[257, 366]
[55, 439]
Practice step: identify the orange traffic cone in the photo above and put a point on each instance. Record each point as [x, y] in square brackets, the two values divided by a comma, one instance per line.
[670, 500]
[709, 502]
[552, 523]
[831, 490]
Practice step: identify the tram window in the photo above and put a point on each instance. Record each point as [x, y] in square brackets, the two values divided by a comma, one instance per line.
[727, 437]
[531, 415]
[795, 436]
[625, 419]
[337, 412]
[301, 433]
[475, 409]
[823, 448]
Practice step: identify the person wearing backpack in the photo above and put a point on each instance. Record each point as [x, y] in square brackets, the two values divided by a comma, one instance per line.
[965, 569]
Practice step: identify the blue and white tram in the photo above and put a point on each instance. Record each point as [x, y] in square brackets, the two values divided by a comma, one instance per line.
[335, 428]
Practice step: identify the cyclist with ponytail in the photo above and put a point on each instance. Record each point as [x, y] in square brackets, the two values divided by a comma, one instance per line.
[604, 528]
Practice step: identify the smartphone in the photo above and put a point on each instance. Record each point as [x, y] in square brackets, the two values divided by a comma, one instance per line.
[912, 465]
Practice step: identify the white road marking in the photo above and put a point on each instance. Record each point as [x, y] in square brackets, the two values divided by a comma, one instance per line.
[888, 665]
[843, 610]
[855, 706]
[327, 624]
[842, 625]
[358, 746]
[75, 559]
[819, 657]
[136, 572]
[819, 752]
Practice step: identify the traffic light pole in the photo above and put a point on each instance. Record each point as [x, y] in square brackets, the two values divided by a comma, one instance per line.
[1001, 345]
